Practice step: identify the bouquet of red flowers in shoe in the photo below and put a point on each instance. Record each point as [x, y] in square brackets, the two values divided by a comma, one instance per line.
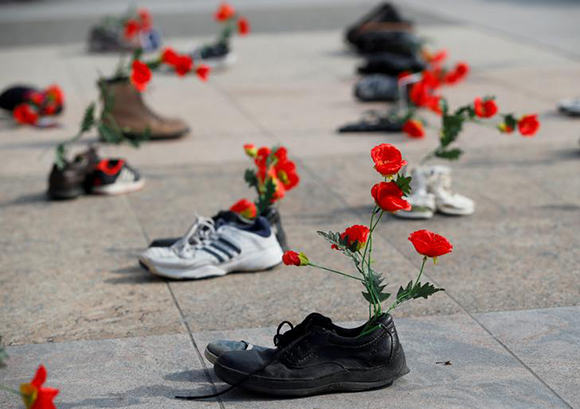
[356, 242]
[318, 356]
[31, 106]
[274, 175]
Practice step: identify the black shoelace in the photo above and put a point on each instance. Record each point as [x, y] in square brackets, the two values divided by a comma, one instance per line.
[280, 340]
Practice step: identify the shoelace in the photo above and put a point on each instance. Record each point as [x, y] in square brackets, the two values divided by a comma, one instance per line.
[200, 231]
[281, 340]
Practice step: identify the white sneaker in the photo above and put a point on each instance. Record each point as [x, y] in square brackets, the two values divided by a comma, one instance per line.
[422, 202]
[447, 202]
[229, 248]
[570, 106]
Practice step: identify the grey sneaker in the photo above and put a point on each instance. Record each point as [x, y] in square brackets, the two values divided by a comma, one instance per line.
[215, 348]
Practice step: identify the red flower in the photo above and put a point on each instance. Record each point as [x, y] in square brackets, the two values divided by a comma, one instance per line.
[356, 236]
[286, 173]
[433, 104]
[132, 27]
[245, 208]
[145, 19]
[389, 197]
[291, 258]
[37, 98]
[430, 244]
[262, 156]
[169, 56]
[203, 72]
[388, 159]
[251, 150]
[49, 109]
[437, 58]
[528, 125]
[34, 395]
[484, 108]
[24, 114]
[183, 65]
[140, 75]
[460, 71]
[54, 93]
[224, 12]
[243, 26]
[414, 128]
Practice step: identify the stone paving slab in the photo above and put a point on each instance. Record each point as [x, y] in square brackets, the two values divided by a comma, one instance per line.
[546, 341]
[142, 372]
[482, 373]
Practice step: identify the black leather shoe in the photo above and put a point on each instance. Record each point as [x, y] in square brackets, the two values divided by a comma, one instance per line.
[318, 357]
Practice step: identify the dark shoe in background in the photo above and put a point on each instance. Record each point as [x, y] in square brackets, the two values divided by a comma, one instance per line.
[384, 17]
[318, 357]
[390, 64]
[377, 87]
[216, 55]
[394, 42]
[110, 38]
[136, 120]
[374, 122]
[69, 182]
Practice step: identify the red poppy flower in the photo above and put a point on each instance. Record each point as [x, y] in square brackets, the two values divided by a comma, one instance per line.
[414, 128]
[183, 65]
[245, 208]
[529, 125]
[484, 108]
[430, 244]
[243, 26]
[54, 93]
[437, 58]
[140, 75]
[356, 236]
[224, 12]
[286, 173]
[281, 154]
[145, 19]
[49, 109]
[433, 104]
[37, 98]
[388, 159]
[251, 150]
[169, 56]
[24, 114]
[34, 395]
[459, 72]
[262, 156]
[132, 27]
[431, 80]
[280, 191]
[389, 197]
[291, 258]
[203, 72]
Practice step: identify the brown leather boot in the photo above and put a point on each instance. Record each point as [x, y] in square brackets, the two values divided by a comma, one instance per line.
[136, 119]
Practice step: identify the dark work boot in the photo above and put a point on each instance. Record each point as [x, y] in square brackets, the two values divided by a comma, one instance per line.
[318, 357]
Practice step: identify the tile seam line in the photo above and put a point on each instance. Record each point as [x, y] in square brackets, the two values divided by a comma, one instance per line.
[179, 310]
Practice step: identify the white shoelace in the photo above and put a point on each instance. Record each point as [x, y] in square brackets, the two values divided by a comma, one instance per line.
[201, 231]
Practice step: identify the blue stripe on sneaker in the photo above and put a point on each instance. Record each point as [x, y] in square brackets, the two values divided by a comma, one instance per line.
[230, 245]
[219, 258]
[220, 248]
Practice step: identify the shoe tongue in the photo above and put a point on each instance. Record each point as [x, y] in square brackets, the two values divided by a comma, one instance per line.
[227, 217]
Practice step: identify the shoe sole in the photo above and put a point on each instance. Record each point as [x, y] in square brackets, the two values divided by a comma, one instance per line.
[269, 387]
[210, 356]
[266, 260]
[118, 188]
[455, 212]
[414, 215]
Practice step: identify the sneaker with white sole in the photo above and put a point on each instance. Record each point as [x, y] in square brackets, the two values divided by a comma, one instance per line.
[422, 202]
[227, 249]
[447, 201]
[114, 177]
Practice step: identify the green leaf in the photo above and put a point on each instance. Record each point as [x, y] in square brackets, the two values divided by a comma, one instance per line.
[404, 183]
[451, 154]
[384, 297]
[366, 296]
[251, 178]
[425, 290]
[510, 121]
[108, 134]
[452, 126]
[88, 118]
[59, 159]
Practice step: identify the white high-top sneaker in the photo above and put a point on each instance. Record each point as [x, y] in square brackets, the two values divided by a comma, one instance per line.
[422, 202]
[229, 248]
[447, 202]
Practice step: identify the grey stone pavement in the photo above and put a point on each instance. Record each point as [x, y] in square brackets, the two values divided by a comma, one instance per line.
[112, 336]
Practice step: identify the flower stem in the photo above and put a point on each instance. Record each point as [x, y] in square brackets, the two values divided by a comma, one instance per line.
[335, 271]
